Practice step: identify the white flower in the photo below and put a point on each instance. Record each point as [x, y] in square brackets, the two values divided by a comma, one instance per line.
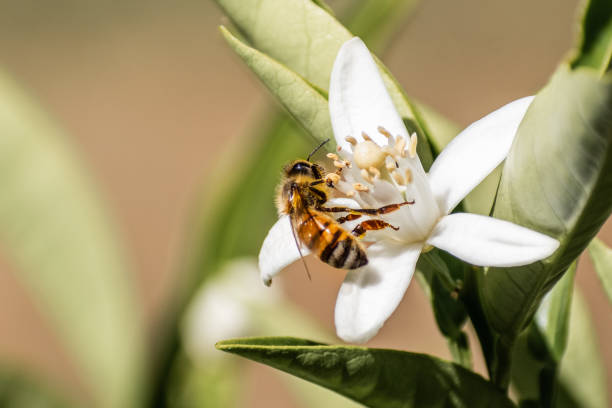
[386, 170]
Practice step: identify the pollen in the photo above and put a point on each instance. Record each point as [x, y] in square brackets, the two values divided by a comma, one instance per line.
[333, 177]
[413, 145]
[360, 187]
[351, 140]
[368, 154]
[384, 132]
[365, 136]
[332, 156]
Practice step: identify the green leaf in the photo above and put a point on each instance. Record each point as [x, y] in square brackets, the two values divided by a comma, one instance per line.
[20, 391]
[305, 103]
[373, 377]
[557, 180]
[602, 262]
[59, 237]
[305, 38]
[582, 372]
[595, 40]
[553, 315]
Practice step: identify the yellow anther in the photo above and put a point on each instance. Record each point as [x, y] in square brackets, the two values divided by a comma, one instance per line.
[360, 187]
[384, 132]
[400, 143]
[339, 164]
[365, 136]
[366, 175]
[408, 176]
[333, 177]
[397, 177]
[351, 140]
[332, 156]
[413, 145]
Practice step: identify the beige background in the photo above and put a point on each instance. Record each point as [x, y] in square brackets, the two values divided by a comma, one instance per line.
[150, 95]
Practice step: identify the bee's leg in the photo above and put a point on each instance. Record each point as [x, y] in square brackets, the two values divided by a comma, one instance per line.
[316, 182]
[371, 225]
[370, 211]
[349, 217]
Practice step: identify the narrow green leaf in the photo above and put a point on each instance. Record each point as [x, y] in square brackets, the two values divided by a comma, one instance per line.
[553, 315]
[582, 372]
[595, 40]
[305, 38]
[58, 236]
[602, 262]
[557, 180]
[306, 104]
[373, 377]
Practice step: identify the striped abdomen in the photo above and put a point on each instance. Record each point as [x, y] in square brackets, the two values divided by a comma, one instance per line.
[326, 238]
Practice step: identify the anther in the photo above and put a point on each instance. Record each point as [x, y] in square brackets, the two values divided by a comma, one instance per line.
[350, 194]
[384, 132]
[389, 163]
[397, 177]
[360, 187]
[339, 164]
[332, 156]
[339, 148]
[351, 140]
[375, 172]
[365, 175]
[408, 176]
[400, 143]
[333, 177]
[413, 145]
[365, 136]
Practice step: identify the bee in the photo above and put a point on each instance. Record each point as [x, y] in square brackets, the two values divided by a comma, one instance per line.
[302, 195]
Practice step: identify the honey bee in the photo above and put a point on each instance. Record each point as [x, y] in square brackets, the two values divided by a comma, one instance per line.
[302, 195]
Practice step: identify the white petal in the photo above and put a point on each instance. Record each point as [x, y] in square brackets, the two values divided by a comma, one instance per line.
[487, 241]
[474, 153]
[370, 294]
[358, 99]
[278, 250]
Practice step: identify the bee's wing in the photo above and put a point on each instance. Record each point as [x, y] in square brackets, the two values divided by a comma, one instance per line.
[298, 244]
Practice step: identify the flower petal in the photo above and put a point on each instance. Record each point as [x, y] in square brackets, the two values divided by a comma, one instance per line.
[474, 153]
[278, 250]
[487, 241]
[358, 99]
[370, 294]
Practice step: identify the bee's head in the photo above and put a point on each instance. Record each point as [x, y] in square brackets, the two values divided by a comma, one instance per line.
[303, 168]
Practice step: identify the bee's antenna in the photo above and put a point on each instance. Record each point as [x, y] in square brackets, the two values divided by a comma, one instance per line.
[317, 148]
[297, 244]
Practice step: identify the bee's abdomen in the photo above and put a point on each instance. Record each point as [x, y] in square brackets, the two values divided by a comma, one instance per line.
[332, 243]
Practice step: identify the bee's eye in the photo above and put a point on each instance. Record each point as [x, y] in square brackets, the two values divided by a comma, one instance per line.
[300, 168]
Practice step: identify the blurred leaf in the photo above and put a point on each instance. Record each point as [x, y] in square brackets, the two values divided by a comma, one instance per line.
[557, 180]
[307, 105]
[19, 391]
[595, 40]
[58, 236]
[602, 262]
[579, 381]
[373, 377]
[582, 372]
[305, 38]
[553, 315]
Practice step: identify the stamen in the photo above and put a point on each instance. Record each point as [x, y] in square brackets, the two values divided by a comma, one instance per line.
[400, 143]
[397, 177]
[350, 194]
[339, 164]
[366, 175]
[389, 163]
[375, 172]
[332, 156]
[339, 148]
[365, 136]
[360, 187]
[408, 176]
[384, 132]
[333, 177]
[413, 145]
[351, 140]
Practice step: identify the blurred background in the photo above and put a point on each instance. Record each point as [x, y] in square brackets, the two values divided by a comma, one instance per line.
[151, 97]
